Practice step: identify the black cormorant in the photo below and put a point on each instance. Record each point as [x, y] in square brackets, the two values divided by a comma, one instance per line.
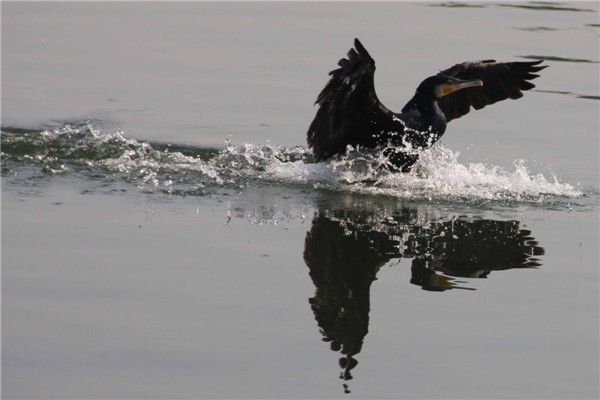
[351, 114]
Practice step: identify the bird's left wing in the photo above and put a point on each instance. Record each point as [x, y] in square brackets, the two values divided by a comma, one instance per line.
[501, 80]
[347, 104]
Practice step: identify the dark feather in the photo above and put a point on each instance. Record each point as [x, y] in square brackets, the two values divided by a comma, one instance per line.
[346, 105]
[501, 81]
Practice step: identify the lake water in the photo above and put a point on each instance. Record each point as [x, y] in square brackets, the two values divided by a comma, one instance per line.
[167, 234]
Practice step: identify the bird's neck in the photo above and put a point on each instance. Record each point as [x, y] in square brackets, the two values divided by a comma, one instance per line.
[432, 115]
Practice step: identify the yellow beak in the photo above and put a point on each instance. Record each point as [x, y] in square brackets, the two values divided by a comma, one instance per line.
[453, 87]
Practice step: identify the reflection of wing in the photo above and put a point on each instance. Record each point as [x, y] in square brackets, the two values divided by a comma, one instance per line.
[342, 267]
[465, 248]
[500, 81]
[347, 105]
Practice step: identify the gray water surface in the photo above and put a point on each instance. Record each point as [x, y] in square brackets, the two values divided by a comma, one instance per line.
[166, 233]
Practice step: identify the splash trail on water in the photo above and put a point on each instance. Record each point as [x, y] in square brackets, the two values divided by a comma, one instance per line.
[85, 151]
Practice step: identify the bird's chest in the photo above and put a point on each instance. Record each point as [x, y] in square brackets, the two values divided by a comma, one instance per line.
[422, 131]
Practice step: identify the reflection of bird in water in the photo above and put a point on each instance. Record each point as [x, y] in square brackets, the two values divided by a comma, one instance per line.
[351, 114]
[344, 251]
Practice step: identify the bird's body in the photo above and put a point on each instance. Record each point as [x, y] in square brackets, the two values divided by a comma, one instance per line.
[351, 114]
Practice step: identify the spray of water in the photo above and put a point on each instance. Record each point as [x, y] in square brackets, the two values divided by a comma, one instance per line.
[188, 170]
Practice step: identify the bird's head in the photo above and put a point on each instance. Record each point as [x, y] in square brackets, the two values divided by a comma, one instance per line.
[441, 85]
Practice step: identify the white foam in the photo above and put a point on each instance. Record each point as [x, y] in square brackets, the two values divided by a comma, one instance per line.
[437, 175]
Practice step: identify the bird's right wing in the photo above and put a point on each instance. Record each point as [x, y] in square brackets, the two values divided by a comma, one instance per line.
[347, 104]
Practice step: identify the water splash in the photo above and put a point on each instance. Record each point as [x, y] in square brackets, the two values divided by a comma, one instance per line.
[188, 170]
